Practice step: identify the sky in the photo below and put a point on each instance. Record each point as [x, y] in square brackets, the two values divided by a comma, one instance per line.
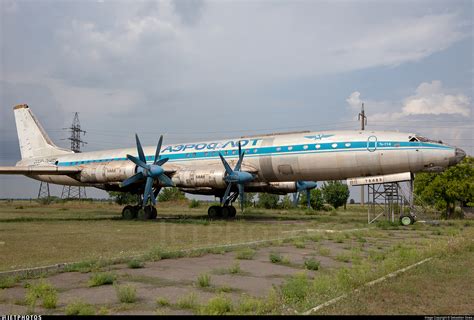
[196, 70]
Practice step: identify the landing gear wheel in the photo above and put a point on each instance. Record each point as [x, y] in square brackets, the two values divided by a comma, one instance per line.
[233, 211]
[154, 213]
[214, 212]
[406, 220]
[226, 212]
[129, 213]
[145, 213]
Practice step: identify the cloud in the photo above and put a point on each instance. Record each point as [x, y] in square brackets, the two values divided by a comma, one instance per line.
[354, 100]
[430, 98]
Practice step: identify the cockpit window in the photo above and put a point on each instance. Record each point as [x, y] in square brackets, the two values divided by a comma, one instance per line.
[412, 139]
[422, 139]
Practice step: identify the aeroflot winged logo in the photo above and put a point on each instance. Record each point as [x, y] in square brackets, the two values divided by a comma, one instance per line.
[319, 136]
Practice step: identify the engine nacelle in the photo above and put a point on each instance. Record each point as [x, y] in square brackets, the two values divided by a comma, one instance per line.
[200, 178]
[110, 172]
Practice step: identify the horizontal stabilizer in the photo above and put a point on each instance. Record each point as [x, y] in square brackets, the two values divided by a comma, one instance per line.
[39, 170]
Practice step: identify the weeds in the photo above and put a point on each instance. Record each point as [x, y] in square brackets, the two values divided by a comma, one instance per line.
[235, 268]
[312, 264]
[135, 264]
[79, 308]
[245, 254]
[204, 280]
[324, 251]
[126, 293]
[218, 305]
[100, 279]
[8, 282]
[163, 302]
[41, 290]
[188, 302]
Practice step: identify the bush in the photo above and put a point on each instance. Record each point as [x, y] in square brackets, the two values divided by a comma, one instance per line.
[275, 257]
[295, 289]
[335, 193]
[268, 200]
[194, 203]
[43, 291]
[7, 282]
[245, 254]
[135, 264]
[218, 305]
[122, 198]
[204, 280]
[79, 308]
[286, 203]
[99, 279]
[126, 293]
[312, 264]
[171, 194]
[316, 199]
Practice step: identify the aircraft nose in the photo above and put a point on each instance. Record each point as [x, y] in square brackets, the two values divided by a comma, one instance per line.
[458, 156]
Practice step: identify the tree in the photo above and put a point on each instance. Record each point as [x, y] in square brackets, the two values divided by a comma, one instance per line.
[124, 197]
[316, 199]
[171, 194]
[335, 193]
[444, 189]
[268, 200]
[249, 198]
[286, 202]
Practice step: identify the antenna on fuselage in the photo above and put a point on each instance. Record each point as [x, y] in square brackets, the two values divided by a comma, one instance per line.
[363, 123]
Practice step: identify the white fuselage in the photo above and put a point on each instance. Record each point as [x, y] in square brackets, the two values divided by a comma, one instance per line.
[316, 156]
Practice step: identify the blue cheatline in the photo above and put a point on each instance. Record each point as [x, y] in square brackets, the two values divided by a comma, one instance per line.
[279, 150]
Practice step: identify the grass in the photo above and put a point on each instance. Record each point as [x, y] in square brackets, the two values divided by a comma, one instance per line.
[277, 258]
[43, 291]
[324, 251]
[299, 244]
[245, 254]
[8, 282]
[79, 308]
[126, 293]
[204, 280]
[218, 305]
[135, 264]
[312, 264]
[163, 302]
[188, 301]
[100, 279]
[235, 269]
[343, 257]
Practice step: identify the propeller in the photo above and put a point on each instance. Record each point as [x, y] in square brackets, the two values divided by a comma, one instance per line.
[150, 172]
[304, 186]
[236, 176]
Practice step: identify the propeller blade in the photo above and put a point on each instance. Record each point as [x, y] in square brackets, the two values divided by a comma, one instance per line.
[158, 149]
[165, 180]
[241, 157]
[226, 194]
[156, 191]
[308, 197]
[148, 190]
[226, 165]
[141, 155]
[162, 161]
[132, 179]
[138, 162]
[242, 196]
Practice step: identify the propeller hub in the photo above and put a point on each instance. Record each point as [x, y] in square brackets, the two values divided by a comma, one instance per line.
[155, 171]
[239, 177]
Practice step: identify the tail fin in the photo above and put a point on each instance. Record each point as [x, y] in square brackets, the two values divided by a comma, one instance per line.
[34, 142]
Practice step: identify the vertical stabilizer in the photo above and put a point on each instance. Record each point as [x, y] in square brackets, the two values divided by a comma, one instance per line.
[34, 142]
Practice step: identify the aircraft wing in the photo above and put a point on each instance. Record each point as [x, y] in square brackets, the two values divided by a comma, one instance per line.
[39, 170]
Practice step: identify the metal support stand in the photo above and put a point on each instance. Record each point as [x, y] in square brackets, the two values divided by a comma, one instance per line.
[44, 190]
[385, 200]
[73, 192]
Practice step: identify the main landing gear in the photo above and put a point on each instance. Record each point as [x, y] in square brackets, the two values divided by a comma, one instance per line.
[222, 212]
[137, 212]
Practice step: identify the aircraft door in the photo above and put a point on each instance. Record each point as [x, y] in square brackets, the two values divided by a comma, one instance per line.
[372, 143]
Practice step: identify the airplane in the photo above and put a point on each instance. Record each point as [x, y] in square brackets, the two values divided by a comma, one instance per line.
[278, 163]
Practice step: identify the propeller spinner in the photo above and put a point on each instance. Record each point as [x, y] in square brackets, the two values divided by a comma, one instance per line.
[150, 172]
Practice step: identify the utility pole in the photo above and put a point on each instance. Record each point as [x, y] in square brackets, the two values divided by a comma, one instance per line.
[363, 122]
[76, 143]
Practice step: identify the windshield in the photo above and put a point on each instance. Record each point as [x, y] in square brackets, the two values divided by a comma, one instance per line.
[422, 139]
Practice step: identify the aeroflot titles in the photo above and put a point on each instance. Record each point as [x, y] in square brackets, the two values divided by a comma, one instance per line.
[212, 145]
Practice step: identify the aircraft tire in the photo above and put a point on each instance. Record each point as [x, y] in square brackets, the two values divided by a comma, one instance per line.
[226, 212]
[407, 220]
[214, 212]
[233, 212]
[144, 213]
[154, 213]
[128, 213]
